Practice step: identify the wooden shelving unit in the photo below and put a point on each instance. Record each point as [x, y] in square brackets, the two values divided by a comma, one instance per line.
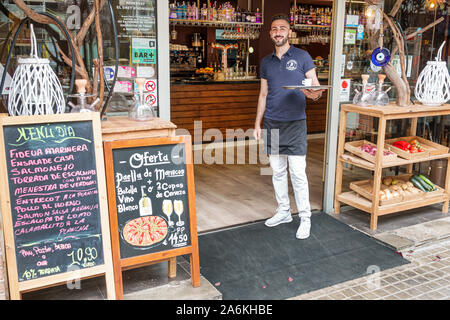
[385, 113]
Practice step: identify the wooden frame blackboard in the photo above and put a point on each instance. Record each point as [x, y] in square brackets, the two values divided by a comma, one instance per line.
[145, 177]
[53, 201]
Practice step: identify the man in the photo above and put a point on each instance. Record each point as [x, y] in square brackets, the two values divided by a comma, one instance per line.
[285, 122]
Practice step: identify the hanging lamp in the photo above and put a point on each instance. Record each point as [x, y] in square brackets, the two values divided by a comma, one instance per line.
[433, 85]
[35, 88]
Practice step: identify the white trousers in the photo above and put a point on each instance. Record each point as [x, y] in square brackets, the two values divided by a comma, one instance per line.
[299, 180]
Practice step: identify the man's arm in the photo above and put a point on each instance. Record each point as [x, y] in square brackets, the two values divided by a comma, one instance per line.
[264, 90]
[313, 94]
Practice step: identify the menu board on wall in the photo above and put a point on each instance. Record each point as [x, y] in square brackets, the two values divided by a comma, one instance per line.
[152, 202]
[54, 185]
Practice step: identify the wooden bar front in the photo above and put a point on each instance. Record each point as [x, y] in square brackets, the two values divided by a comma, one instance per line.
[228, 106]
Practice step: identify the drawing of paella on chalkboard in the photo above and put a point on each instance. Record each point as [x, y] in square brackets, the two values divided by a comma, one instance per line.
[145, 232]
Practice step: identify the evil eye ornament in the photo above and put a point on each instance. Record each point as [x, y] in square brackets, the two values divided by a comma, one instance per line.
[380, 57]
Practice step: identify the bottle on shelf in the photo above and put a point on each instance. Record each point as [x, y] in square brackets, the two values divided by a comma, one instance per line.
[204, 12]
[258, 16]
[188, 12]
[215, 12]
[179, 11]
[238, 15]
[183, 11]
[292, 15]
[173, 11]
[195, 12]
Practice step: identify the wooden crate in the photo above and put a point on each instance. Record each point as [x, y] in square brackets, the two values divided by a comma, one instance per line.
[355, 148]
[431, 148]
[364, 188]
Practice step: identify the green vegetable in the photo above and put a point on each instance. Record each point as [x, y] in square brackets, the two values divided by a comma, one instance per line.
[417, 183]
[424, 184]
[421, 176]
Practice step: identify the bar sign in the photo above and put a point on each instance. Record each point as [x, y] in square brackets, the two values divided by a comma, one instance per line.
[143, 50]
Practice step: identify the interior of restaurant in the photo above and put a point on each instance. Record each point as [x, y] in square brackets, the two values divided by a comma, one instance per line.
[214, 56]
[225, 105]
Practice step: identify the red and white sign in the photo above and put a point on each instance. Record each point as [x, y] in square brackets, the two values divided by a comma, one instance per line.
[151, 86]
[151, 99]
[345, 89]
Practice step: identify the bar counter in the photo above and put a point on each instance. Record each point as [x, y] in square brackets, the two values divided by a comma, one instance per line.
[227, 105]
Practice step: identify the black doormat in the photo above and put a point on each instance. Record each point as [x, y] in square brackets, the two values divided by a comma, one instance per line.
[257, 262]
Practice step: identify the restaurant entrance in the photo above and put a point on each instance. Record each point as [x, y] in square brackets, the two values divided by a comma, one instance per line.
[214, 94]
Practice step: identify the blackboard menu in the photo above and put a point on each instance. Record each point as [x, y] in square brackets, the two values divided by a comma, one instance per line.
[53, 188]
[151, 199]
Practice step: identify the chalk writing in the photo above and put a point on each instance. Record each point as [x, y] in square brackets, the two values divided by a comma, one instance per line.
[148, 182]
[54, 197]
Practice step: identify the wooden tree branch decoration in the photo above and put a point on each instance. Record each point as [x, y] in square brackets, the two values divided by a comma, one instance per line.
[399, 81]
[77, 42]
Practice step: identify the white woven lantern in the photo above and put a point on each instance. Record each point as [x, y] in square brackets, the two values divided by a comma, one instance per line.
[433, 84]
[35, 89]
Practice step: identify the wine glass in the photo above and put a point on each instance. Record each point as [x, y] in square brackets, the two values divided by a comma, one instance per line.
[178, 206]
[167, 208]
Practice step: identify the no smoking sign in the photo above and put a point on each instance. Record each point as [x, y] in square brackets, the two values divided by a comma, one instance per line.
[151, 99]
[150, 86]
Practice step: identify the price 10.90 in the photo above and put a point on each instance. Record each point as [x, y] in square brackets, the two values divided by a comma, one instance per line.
[84, 257]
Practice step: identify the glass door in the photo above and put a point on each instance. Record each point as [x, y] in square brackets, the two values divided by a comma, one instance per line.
[131, 31]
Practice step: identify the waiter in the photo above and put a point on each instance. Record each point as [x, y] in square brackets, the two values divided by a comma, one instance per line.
[285, 122]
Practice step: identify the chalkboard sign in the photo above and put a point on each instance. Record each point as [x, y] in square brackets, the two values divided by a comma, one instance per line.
[151, 200]
[54, 184]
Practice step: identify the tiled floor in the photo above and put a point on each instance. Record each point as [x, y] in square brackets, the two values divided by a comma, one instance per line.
[427, 277]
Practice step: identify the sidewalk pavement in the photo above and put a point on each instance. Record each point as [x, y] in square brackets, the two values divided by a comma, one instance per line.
[427, 277]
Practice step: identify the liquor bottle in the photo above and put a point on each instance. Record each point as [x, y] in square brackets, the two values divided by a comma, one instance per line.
[210, 13]
[318, 17]
[291, 15]
[215, 13]
[238, 14]
[227, 10]
[188, 12]
[204, 12]
[145, 204]
[258, 16]
[196, 12]
[179, 11]
[183, 11]
[173, 10]
[300, 15]
[313, 15]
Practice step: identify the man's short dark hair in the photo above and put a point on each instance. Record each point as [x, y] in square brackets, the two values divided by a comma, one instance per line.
[281, 16]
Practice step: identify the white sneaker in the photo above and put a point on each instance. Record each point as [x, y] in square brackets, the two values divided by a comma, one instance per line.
[304, 228]
[278, 218]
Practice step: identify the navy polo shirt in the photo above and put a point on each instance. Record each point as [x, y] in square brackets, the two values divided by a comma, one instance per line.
[283, 104]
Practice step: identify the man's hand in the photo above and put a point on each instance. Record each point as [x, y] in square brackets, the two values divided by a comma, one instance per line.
[312, 94]
[257, 132]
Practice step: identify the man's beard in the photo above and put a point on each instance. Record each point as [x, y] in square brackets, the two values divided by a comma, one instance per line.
[282, 43]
